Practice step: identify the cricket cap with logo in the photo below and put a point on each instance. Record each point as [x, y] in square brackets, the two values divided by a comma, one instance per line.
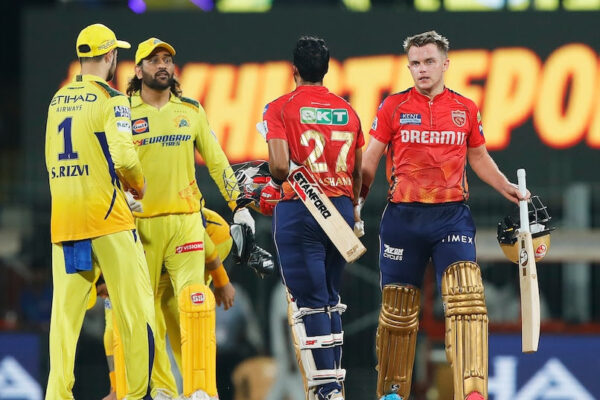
[147, 47]
[97, 39]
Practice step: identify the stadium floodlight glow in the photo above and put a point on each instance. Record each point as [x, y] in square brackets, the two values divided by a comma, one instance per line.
[205, 5]
[137, 6]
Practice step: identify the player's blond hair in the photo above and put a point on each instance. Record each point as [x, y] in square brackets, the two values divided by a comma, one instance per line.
[425, 38]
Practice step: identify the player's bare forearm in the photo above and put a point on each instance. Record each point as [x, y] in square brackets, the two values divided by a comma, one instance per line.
[370, 161]
[225, 296]
[487, 170]
[357, 174]
[279, 159]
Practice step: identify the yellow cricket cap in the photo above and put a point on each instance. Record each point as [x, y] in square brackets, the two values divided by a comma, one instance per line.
[97, 39]
[147, 47]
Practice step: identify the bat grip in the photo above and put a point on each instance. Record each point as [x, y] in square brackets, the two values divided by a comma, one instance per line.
[523, 209]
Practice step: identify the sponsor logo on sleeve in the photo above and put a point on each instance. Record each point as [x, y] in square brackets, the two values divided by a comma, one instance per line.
[459, 118]
[198, 297]
[124, 126]
[140, 125]
[374, 124]
[410, 119]
[122, 112]
[186, 248]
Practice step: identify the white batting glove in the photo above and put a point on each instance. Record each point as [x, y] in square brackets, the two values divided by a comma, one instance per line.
[359, 224]
[134, 205]
[243, 216]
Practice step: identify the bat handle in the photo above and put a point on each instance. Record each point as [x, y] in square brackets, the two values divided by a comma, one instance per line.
[523, 209]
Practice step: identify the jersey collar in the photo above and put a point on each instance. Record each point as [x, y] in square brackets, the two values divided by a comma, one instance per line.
[136, 99]
[426, 99]
[313, 88]
[88, 78]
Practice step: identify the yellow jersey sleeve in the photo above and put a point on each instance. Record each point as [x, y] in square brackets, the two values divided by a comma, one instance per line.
[215, 159]
[117, 127]
[87, 200]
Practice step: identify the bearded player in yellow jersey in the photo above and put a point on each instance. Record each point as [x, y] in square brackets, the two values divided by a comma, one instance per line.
[218, 243]
[166, 128]
[91, 161]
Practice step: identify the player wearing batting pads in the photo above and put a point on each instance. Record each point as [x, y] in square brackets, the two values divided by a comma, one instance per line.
[313, 126]
[90, 161]
[166, 128]
[218, 243]
[430, 132]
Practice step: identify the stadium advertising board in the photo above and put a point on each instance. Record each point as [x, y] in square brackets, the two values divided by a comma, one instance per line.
[19, 366]
[564, 367]
[536, 86]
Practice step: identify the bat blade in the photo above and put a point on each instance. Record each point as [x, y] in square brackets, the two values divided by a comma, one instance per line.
[528, 282]
[530, 297]
[328, 217]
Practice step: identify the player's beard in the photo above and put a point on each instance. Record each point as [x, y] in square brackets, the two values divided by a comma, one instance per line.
[153, 83]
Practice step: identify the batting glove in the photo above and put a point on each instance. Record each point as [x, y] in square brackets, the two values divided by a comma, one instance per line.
[269, 197]
[359, 224]
[243, 216]
[134, 205]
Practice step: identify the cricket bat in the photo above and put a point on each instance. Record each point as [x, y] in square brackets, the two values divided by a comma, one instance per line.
[302, 180]
[530, 294]
[328, 217]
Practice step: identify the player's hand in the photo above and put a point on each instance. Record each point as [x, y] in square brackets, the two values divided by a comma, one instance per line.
[102, 290]
[225, 295]
[138, 195]
[243, 216]
[269, 197]
[134, 205]
[511, 192]
[359, 224]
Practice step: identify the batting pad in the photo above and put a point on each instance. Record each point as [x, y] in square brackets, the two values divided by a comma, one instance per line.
[198, 339]
[466, 328]
[397, 339]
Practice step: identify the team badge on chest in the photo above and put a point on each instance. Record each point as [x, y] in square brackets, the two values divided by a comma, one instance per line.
[459, 118]
[181, 121]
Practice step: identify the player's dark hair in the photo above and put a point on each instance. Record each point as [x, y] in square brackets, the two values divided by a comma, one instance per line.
[425, 38]
[91, 59]
[311, 57]
[135, 85]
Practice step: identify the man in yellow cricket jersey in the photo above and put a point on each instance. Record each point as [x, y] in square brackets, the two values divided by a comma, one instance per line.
[218, 243]
[91, 161]
[166, 128]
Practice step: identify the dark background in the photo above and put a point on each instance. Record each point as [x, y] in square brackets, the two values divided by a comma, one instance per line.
[38, 46]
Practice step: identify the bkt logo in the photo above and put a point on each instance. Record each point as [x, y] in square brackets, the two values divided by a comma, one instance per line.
[16, 383]
[551, 382]
[323, 116]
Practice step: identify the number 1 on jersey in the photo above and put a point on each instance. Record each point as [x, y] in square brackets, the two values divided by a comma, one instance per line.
[68, 154]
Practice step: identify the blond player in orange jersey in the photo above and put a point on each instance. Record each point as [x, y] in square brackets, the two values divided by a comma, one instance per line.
[430, 132]
[91, 161]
